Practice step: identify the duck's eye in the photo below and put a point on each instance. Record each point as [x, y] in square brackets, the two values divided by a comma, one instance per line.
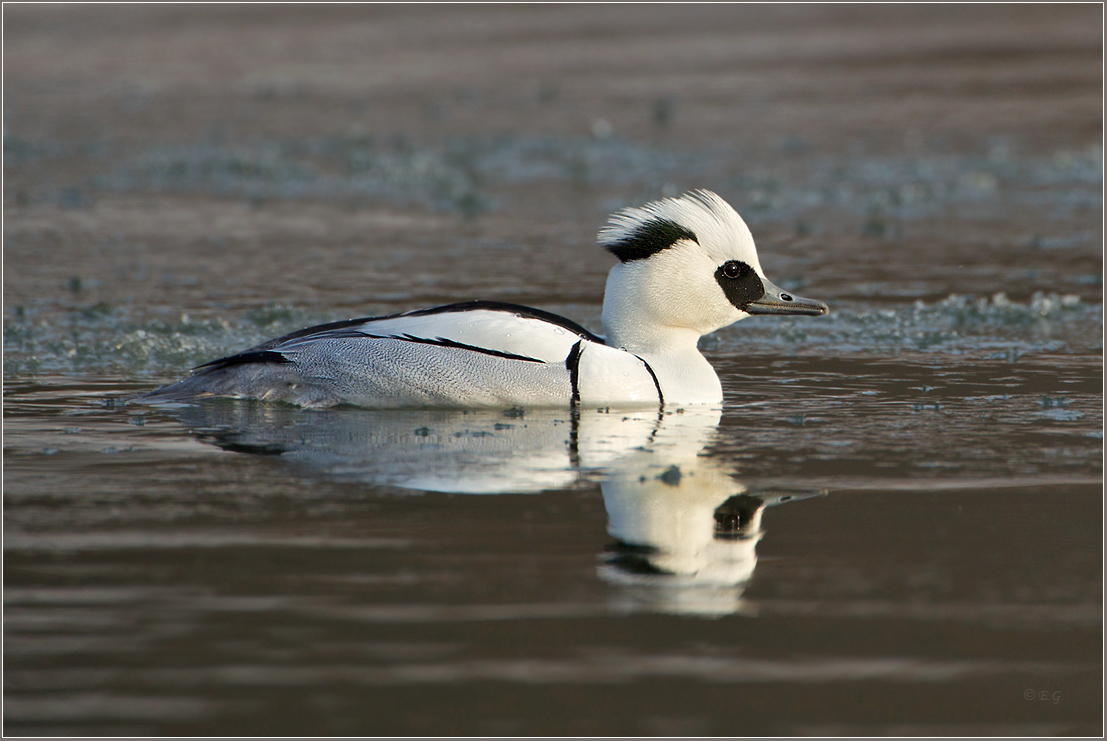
[735, 269]
[740, 283]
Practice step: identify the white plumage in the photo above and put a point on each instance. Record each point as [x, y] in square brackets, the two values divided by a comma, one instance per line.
[688, 266]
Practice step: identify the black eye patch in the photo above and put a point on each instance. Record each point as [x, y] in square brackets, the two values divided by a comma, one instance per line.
[734, 515]
[740, 283]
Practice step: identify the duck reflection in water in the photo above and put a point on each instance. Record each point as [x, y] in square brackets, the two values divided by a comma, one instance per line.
[685, 531]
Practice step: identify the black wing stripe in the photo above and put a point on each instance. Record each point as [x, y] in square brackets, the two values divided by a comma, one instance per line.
[269, 356]
[572, 364]
[334, 328]
[657, 385]
[353, 334]
[250, 356]
[445, 342]
[523, 311]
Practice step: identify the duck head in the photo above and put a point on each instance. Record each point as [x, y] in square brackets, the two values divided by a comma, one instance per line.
[687, 266]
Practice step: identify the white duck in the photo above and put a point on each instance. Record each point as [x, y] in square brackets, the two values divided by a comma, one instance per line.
[688, 266]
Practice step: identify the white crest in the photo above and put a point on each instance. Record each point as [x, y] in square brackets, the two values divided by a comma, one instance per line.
[716, 226]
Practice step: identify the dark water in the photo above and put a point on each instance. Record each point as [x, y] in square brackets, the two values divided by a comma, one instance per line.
[931, 544]
[893, 525]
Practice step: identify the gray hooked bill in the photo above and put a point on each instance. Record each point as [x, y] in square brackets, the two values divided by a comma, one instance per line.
[778, 301]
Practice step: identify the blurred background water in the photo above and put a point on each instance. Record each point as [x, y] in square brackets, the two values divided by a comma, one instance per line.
[892, 526]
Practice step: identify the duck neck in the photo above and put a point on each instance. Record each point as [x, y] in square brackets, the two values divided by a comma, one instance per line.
[681, 370]
[648, 340]
[636, 316]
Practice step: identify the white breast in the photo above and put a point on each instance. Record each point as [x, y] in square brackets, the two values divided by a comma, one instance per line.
[611, 376]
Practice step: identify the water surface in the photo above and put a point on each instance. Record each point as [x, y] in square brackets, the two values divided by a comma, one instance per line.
[891, 526]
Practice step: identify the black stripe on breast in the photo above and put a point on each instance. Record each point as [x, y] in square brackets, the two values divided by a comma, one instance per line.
[656, 383]
[572, 364]
[574, 438]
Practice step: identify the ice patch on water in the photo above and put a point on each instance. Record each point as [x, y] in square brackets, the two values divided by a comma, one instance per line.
[957, 324]
[85, 341]
[101, 340]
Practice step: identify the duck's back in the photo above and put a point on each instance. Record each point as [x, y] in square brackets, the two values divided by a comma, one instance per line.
[476, 354]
